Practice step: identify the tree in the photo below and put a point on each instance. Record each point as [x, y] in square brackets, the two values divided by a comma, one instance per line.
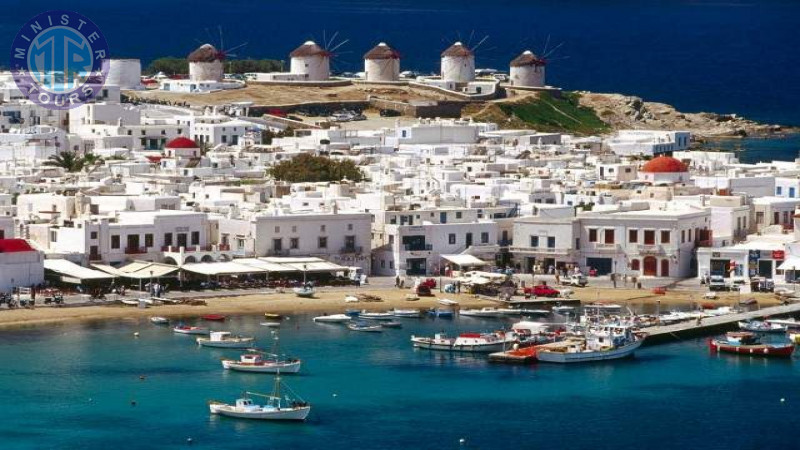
[310, 168]
[72, 162]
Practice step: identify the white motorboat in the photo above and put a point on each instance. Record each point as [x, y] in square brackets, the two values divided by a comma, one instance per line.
[224, 339]
[186, 329]
[333, 318]
[159, 320]
[375, 315]
[483, 312]
[411, 313]
[276, 407]
[467, 342]
[600, 344]
[261, 362]
[447, 302]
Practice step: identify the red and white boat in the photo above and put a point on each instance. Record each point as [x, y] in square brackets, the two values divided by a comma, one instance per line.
[262, 363]
[746, 343]
[187, 329]
[468, 342]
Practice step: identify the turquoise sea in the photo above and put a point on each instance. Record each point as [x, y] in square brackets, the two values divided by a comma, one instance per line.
[71, 386]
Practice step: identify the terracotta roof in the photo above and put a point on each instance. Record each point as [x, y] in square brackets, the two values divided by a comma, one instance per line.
[15, 246]
[527, 58]
[309, 48]
[664, 164]
[182, 142]
[382, 51]
[206, 53]
[457, 49]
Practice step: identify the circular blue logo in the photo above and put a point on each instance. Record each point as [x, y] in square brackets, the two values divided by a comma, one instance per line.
[59, 59]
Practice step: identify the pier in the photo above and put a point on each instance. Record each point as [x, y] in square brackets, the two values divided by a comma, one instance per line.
[712, 325]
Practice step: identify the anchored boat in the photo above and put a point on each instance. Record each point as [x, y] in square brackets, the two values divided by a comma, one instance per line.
[364, 327]
[467, 342]
[483, 312]
[600, 344]
[186, 329]
[333, 318]
[746, 343]
[762, 326]
[224, 339]
[157, 320]
[276, 406]
[411, 313]
[262, 362]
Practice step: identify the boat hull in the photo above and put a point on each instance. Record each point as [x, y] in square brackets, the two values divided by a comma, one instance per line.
[292, 367]
[565, 358]
[299, 413]
[777, 351]
[246, 343]
[468, 348]
[198, 331]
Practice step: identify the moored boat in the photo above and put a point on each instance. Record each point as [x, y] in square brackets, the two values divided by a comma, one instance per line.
[277, 406]
[261, 362]
[364, 327]
[447, 302]
[759, 326]
[467, 342]
[441, 312]
[304, 292]
[391, 324]
[224, 339]
[271, 324]
[186, 329]
[376, 315]
[159, 320]
[482, 312]
[410, 313]
[603, 343]
[213, 317]
[746, 343]
[332, 318]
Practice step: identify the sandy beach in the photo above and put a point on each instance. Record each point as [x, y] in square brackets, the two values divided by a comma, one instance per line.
[333, 302]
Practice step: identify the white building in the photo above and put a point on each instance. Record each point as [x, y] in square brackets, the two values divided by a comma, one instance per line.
[20, 265]
[125, 73]
[311, 62]
[664, 170]
[527, 70]
[648, 142]
[382, 64]
[458, 64]
[205, 64]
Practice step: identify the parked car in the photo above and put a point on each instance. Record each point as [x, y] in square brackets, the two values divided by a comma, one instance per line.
[575, 280]
[541, 290]
[717, 283]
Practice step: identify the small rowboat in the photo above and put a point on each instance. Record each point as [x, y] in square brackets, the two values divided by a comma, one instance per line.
[159, 320]
[186, 329]
[744, 343]
[447, 302]
[271, 324]
[213, 317]
[333, 318]
[376, 315]
[762, 327]
[272, 316]
[391, 324]
[304, 292]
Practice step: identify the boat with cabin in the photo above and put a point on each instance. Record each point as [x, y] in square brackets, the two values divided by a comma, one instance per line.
[600, 343]
[467, 342]
[262, 362]
[224, 339]
[441, 312]
[746, 343]
[278, 406]
[487, 312]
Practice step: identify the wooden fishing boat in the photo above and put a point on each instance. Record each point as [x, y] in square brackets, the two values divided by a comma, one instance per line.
[746, 343]
[278, 406]
[224, 339]
[364, 327]
[186, 329]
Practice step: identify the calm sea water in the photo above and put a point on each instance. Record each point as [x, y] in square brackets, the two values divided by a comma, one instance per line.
[72, 387]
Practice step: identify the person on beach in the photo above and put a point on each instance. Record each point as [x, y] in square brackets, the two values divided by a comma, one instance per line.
[397, 281]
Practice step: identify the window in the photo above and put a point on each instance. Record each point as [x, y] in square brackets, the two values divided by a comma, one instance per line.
[294, 228]
[322, 242]
[53, 236]
[609, 236]
[277, 229]
[650, 237]
[690, 235]
[633, 236]
[665, 236]
[458, 214]
[551, 242]
[167, 238]
[534, 241]
[451, 238]
[322, 228]
[484, 237]
[93, 235]
[683, 236]
[148, 240]
[294, 243]
[778, 190]
[115, 241]
[277, 244]
[350, 243]
[592, 235]
[349, 227]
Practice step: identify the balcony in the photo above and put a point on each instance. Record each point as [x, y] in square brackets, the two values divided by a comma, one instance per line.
[135, 250]
[540, 250]
[417, 247]
[602, 247]
[351, 249]
[649, 249]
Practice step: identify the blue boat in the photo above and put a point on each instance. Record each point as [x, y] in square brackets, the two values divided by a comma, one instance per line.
[439, 312]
